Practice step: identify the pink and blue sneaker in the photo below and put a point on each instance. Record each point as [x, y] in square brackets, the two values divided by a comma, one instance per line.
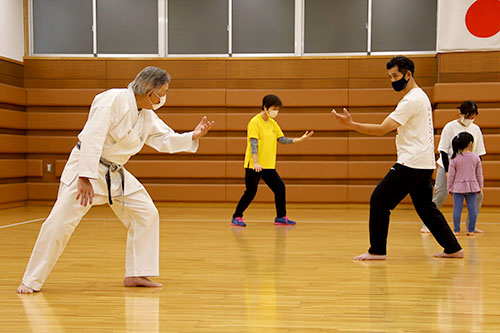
[283, 221]
[238, 222]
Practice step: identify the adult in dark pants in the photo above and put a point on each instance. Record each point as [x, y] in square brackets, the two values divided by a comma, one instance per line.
[412, 172]
[263, 133]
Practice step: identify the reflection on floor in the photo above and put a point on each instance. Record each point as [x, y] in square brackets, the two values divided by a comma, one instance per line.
[262, 278]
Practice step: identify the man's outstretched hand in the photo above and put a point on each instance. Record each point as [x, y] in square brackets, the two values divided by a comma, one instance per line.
[345, 119]
[203, 127]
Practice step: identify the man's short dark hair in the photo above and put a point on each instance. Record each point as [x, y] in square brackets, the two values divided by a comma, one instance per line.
[271, 100]
[403, 64]
[468, 108]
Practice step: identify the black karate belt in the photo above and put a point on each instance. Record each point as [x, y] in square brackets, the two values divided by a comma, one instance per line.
[112, 167]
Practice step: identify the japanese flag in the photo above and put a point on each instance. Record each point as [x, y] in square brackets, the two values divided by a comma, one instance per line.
[468, 25]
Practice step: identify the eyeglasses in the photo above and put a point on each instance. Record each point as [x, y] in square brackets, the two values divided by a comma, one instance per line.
[154, 92]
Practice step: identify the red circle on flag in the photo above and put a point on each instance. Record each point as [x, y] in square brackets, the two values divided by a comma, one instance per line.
[483, 18]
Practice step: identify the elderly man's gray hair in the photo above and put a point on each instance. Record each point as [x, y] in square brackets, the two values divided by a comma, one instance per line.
[150, 78]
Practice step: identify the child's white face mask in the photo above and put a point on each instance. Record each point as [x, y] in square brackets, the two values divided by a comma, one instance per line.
[465, 121]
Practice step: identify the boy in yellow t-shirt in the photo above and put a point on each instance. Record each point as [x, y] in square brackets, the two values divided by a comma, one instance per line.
[263, 133]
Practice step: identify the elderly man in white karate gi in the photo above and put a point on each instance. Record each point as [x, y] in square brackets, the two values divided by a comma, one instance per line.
[120, 123]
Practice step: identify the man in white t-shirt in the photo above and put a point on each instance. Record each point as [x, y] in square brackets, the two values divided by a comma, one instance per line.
[464, 123]
[413, 170]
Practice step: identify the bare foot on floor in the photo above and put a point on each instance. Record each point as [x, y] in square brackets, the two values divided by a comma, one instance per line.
[369, 256]
[424, 230]
[458, 254]
[140, 281]
[456, 233]
[478, 231]
[23, 289]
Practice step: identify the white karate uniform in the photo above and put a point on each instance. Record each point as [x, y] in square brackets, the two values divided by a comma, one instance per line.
[115, 131]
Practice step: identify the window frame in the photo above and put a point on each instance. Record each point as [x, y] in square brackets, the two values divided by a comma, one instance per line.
[299, 39]
[95, 54]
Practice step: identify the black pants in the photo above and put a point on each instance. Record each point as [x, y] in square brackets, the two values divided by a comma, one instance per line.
[273, 180]
[393, 188]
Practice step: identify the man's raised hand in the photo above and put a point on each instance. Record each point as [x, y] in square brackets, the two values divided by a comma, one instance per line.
[203, 127]
[345, 119]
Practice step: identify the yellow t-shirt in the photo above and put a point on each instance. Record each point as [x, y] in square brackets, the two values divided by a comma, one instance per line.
[267, 134]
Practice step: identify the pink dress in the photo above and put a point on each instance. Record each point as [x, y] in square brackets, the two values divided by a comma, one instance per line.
[465, 174]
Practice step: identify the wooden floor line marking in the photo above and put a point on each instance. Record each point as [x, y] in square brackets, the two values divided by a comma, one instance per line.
[20, 223]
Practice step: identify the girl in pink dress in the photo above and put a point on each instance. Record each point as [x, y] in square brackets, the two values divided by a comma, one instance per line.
[465, 180]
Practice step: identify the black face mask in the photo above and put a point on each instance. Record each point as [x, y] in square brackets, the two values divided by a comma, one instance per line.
[400, 84]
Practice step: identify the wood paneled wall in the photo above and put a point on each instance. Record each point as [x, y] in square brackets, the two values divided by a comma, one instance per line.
[224, 73]
[469, 67]
[334, 166]
[13, 162]
[11, 72]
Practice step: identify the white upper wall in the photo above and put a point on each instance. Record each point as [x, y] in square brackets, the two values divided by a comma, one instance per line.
[12, 29]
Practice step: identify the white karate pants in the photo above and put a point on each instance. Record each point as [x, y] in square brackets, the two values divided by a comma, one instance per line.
[139, 215]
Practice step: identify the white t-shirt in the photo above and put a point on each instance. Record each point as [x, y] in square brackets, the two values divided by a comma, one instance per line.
[450, 130]
[415, 138]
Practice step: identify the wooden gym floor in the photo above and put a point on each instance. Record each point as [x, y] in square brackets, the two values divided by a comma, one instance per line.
[262, 278]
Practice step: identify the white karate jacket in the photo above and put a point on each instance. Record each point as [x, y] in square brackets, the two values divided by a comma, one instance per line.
[115, 131]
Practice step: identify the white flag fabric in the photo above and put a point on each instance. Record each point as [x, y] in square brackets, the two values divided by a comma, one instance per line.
[465, 25]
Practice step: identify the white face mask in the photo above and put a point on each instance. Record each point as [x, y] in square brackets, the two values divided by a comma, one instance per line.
[273, 113]
[466, 122]
[163, 99]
